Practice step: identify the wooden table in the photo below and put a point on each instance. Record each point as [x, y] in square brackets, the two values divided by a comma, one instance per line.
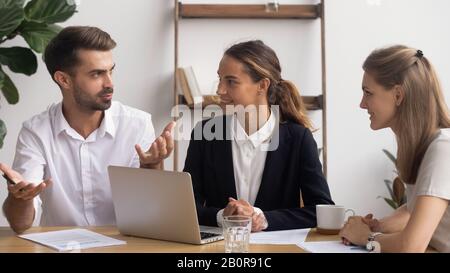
[9, 242]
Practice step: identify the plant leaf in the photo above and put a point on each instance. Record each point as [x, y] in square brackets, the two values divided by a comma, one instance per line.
[49, 11]
[11, 3]
[10, 19]
[403, 201]
[388, 184]
[398, 189]
[19, 60]
[9, 90]
[2, 77]
[390, 156]
[391, 203]
[2, 132]
[38, 35]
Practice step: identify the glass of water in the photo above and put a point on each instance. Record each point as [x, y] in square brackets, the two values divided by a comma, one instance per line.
[236, 232]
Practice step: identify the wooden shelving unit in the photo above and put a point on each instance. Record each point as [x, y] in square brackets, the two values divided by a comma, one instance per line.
[225, 11]
[207, 100]
[248, 11]
[312, 102]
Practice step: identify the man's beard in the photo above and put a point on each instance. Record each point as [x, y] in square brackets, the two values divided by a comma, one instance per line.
[91, 104]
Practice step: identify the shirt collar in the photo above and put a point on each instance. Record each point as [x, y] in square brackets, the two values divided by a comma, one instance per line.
[257, 138]
[107, 125]
[61, 123]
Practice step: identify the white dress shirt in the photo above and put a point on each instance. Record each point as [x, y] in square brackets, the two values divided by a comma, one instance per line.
[249, 158]
[80, 194]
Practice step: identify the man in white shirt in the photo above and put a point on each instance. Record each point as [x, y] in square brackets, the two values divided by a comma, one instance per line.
[70, 145]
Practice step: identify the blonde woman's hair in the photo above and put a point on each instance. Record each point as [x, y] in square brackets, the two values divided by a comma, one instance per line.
[423, 109]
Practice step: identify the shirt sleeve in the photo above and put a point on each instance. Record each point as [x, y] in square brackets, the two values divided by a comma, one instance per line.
[258, 211]
[29, 160]
[434, 174]
[219, 218]
[148, 137]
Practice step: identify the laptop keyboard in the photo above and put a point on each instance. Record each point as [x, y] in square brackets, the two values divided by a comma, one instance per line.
[206, 235]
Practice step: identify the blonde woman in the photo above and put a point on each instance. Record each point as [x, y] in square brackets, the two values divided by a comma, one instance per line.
[401, 91]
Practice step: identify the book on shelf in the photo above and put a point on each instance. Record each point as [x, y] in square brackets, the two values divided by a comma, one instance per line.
[188, 85]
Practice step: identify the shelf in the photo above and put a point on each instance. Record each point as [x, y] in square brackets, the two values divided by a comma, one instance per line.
[312, 102]
[248, 11]
[207, 100]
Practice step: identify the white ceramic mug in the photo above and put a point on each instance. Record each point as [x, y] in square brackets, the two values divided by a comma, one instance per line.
[331, 218]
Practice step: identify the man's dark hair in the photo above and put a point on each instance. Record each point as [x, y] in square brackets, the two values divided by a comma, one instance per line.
[61, 52]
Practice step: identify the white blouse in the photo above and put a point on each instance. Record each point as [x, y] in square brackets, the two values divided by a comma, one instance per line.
[249, 157]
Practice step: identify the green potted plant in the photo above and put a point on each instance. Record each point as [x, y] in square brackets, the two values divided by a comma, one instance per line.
[396, 187]
[36, 23]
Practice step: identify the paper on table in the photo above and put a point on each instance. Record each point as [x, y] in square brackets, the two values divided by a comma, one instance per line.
[331, 247]
[72, 239]
[282, 237]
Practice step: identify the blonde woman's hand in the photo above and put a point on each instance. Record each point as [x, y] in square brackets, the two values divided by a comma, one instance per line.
[373, 223]
[355, 231]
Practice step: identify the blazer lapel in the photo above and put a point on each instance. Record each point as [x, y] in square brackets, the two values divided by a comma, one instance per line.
[275, 157]
[223, 160]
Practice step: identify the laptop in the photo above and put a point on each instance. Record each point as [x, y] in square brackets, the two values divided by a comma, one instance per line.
[158, 205]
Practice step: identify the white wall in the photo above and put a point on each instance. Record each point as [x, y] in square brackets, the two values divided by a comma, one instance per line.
[144, 32]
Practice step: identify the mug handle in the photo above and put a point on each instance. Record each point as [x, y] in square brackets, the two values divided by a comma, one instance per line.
[350, 210]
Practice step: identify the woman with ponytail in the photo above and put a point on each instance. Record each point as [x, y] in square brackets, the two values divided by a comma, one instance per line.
[401, 91]
[262, 160]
